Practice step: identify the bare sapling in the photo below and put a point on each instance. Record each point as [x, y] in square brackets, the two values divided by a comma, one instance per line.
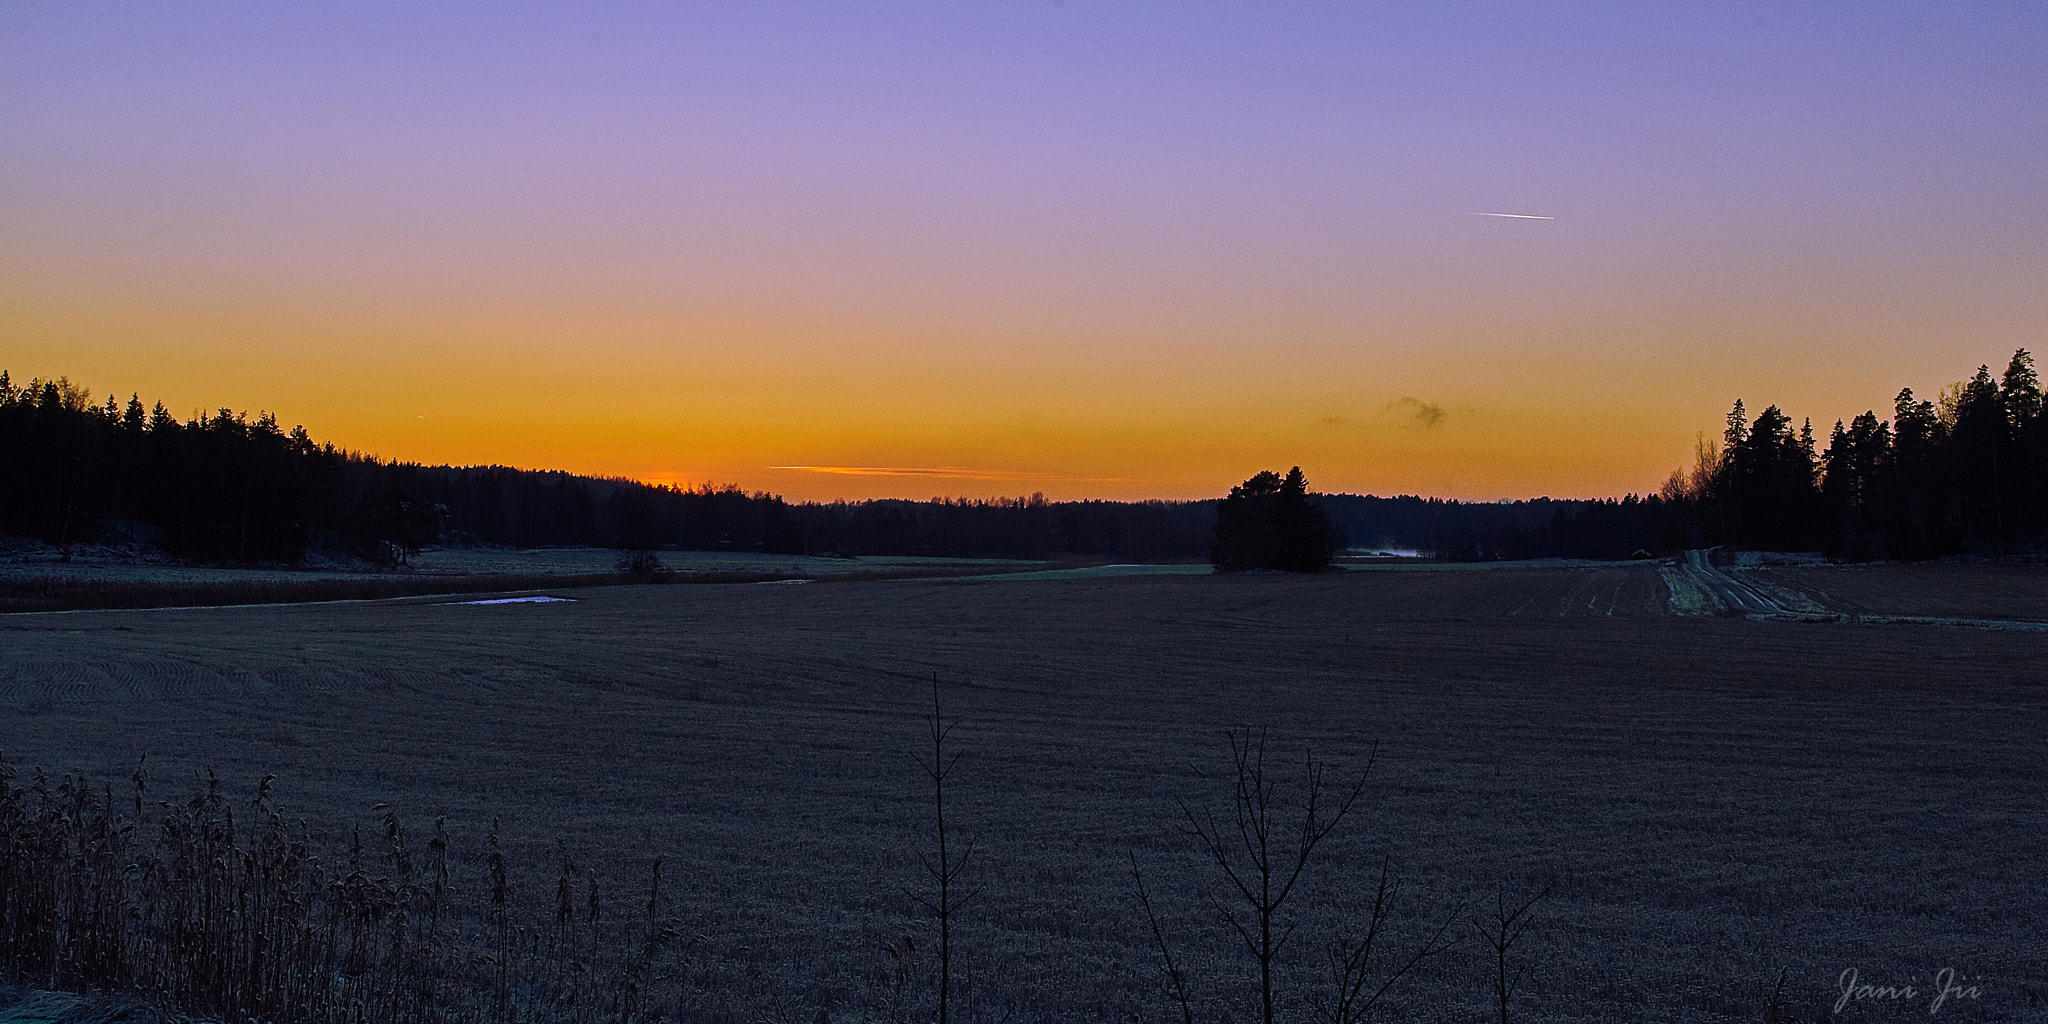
[1354, 959]
[1500, 932]
[944, 900]
[1262, 857]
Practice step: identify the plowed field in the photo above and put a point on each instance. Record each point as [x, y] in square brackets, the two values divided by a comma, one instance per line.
[1711, 800]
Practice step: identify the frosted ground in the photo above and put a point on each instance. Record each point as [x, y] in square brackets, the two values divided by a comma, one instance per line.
[20, 558]
[1713, 801]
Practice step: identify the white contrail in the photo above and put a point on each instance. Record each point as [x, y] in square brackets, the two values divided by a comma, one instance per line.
[1510, 216]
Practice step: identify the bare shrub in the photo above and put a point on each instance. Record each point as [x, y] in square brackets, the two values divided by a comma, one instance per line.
[1262, 850]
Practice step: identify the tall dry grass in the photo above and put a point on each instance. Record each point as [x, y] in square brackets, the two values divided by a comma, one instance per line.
[209, 907]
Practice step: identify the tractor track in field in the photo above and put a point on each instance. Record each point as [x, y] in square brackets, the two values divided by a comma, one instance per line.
[1733, 594]
[1730, 594]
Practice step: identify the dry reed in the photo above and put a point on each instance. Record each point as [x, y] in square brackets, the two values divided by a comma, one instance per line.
[203, 907]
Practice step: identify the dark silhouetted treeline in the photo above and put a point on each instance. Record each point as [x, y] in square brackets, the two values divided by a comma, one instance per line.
[1462, 531]
[1964, 473]
[224, 487]
[220, 487]
[543, 508]
[1010, 528]
[227, 488]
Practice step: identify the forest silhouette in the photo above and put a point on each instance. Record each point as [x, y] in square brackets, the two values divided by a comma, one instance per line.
[1963, 473]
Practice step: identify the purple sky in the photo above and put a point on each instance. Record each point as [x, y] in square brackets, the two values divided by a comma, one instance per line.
[1055, 243]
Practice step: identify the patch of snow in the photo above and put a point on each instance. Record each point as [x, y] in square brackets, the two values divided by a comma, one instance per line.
[515, 600]
[1686, 596]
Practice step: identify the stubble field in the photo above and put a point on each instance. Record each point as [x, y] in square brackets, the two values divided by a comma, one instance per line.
[1711, 801]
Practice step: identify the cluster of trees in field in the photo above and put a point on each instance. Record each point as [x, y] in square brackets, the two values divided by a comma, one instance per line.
[1271, 522]
[1964, 472]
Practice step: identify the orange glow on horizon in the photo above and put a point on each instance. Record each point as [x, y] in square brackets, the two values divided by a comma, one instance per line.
[923, 421]
[1106, 251]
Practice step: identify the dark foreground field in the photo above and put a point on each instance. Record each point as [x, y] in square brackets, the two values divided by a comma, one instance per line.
[1712, 801]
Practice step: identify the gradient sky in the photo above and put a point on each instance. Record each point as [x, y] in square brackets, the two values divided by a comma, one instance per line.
[1094, 249]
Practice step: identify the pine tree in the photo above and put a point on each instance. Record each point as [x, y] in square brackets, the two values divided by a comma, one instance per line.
[1301, 527]
[2019, 391]
[1976, 448]
[2019, 398]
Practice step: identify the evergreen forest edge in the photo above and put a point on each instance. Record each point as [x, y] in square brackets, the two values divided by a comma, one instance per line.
[1964, 473]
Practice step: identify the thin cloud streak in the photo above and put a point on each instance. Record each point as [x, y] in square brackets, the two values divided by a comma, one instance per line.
[947, 472]
[1509, 216]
